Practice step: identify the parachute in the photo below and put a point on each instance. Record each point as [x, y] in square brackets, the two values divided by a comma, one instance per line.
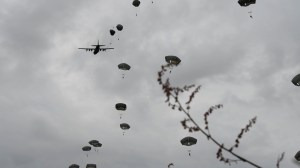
[92, 142]
[112, 32]
[86, 148]
[121, 106]
[97, 145]
[188, 141]
[125, 67]
[91, 166]
[119, 27]
[136, 3]
[74, 166]
[171, 164]
[296, 81]
[297, 156]
[124, 126]
[171, 59]
[245, 3]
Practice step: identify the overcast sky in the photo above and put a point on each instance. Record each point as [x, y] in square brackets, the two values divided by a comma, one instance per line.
[54, 98]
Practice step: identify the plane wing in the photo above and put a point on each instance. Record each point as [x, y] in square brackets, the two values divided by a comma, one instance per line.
[103, 49]
[88, 49]
[106, 48]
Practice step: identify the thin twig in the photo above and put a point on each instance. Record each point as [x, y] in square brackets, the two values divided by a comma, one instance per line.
[173, 93]
[279, 160]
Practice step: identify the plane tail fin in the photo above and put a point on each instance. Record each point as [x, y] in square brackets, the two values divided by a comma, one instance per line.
[98, 44]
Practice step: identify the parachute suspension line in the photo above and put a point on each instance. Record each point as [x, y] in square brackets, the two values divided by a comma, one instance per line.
[250, 13]
[110, 41]
[123, 74]
[171, 67]
[122, 58]
[136, 12]
[111, 37]
[251, 7]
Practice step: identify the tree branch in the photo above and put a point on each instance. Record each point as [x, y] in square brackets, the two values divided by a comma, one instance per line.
[174, 92]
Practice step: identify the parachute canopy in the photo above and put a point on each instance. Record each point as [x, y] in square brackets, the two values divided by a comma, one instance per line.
[124, 66]
[74, 166]
[91, 166]
[86, 148]
[92, 142]
[119, 27]
[121, 106]
[171, 59]
[112, 32]
[136, 3]
[296, 80]
[188, 141]
[97, 145]
[297, 156]
[246, 2]
[124, 126]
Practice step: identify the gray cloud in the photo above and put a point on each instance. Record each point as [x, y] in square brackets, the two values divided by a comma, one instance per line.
[55, 98]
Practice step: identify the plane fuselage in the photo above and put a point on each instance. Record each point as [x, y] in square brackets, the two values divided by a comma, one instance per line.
[97, 49]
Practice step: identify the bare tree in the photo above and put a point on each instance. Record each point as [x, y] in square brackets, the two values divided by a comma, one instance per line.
[172, 94]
